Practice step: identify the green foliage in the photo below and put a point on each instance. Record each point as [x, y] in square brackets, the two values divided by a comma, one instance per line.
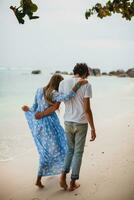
[28, 4]
[27, 7]
[123, 7]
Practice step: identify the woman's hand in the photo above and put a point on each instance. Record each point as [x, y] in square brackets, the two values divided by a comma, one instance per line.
[48, 111]
[25, 108]
[39, 115]
[79, 84]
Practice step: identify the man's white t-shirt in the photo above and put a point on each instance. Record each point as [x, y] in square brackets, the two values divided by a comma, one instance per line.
[74, 108]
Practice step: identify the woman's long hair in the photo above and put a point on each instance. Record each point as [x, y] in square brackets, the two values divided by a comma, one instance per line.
[51, 86]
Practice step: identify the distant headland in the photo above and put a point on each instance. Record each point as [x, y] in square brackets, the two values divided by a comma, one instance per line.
[97, 72]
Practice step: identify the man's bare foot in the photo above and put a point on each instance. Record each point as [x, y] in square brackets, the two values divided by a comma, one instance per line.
[73, 186]
[39, 184]
[63, 183]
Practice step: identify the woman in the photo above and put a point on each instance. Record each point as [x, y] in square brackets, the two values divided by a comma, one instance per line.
[47, 132]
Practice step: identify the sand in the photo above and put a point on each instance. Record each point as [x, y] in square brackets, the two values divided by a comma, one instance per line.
[107, 171]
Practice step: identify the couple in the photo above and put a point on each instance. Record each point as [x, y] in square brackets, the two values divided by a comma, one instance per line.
[59, 151]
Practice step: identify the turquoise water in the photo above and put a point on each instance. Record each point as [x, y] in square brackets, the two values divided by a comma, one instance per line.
[18, 87]
[112, 97]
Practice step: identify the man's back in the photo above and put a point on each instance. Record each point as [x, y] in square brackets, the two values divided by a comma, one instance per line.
[74, 108]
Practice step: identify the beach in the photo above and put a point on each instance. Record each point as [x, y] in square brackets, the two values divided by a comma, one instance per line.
[108, 162]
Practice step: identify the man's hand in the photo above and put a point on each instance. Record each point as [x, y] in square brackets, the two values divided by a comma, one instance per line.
[93, 135]
[39, 115]
[25, 108]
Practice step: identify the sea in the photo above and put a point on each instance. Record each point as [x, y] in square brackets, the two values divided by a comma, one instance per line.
[113, 97]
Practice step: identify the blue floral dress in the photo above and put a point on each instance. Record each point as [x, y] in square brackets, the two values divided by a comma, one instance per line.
[48, 134]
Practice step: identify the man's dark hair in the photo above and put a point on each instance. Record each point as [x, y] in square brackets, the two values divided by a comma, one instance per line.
[81, 69]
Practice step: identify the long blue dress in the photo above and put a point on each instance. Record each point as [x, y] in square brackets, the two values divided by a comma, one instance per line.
[48, 134]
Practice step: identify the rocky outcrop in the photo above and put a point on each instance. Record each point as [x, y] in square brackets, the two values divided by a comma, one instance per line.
[104, 73]
[97, 72]
[122, 75]
[36, 72]
[130, 72]
[60, 72]
[112, 73]
[119, 73]
[94, 71]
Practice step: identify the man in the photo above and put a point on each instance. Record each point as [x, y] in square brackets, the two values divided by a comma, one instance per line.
[77, 116]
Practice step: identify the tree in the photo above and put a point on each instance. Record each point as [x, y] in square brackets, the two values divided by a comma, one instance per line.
[27, 7]
[123, 7]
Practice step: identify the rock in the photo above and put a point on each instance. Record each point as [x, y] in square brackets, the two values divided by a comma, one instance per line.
[119, 73]
[90, 71]
[71, 73]
[58, 72]
[112, 73]
[36, 72]
[130, 72]
[104, 73]
[66, 73]
[122, 75]
[94, 71]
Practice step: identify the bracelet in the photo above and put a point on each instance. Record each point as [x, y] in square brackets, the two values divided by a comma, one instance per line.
[78, 85]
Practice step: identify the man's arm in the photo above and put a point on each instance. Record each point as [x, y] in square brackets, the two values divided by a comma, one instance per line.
[89, 116]
[48, 111]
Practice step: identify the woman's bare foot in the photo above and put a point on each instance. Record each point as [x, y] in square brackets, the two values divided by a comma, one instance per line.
[73, 186]
[63, 183]
[39, 184]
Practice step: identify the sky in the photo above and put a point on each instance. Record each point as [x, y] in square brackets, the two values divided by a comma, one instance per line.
[62, 37]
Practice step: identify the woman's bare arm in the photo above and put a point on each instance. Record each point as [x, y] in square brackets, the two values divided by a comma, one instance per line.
[48, 111]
